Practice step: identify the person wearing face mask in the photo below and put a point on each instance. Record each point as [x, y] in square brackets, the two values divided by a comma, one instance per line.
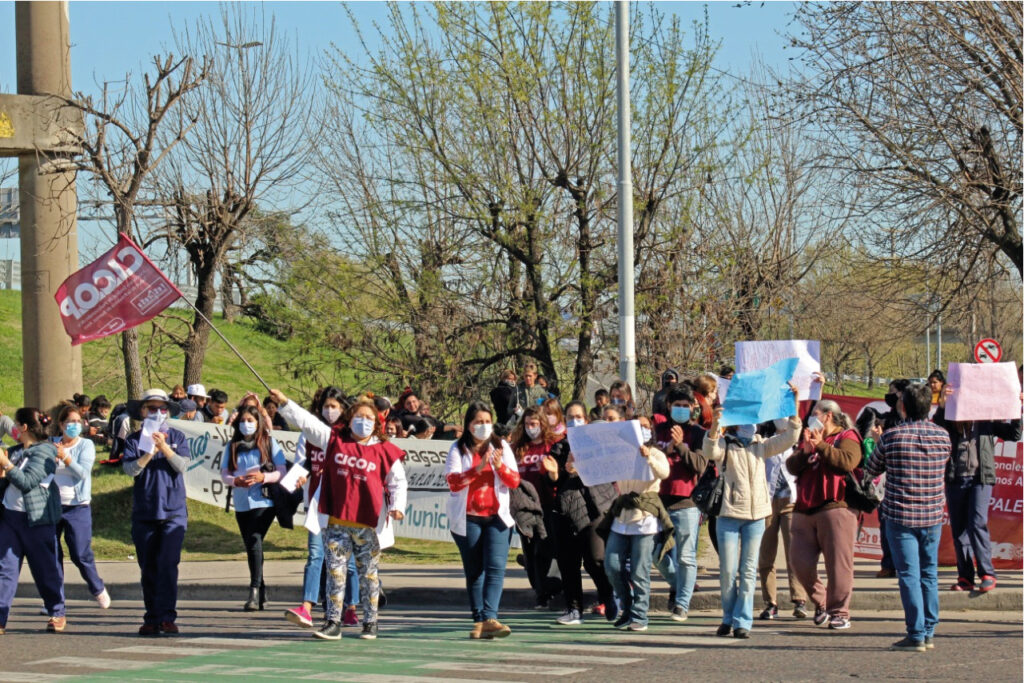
[555, 418]
[669, 379]
[870, 426]
[681, 438]
[157, 457]
[252, 459]
[363, 487]
[535, 446]
[75, 457]
[575, 515]
[621, 397]
[30, 505]
[893, 418]
[481, 470]
[823, 524]
[329, 403]
[741, 454]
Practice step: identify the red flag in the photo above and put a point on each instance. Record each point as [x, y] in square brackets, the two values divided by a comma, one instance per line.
[116, 292]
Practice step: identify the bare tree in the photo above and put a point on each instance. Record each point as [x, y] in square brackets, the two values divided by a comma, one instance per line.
[249, 146]
[921, 105]
[128, 135]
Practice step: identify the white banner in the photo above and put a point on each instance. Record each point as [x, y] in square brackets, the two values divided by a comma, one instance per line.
[758, 355]
[424, 465]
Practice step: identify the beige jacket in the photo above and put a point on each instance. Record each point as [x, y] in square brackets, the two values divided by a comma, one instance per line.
[746, 487]
[659, 466]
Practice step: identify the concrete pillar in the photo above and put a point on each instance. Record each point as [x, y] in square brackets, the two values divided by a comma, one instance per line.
[52, 368]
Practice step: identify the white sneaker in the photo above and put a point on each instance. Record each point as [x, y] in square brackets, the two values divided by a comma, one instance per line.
[103, 599]
[571, 617]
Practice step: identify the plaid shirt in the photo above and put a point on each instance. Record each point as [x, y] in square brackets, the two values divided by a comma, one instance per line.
[913, 455]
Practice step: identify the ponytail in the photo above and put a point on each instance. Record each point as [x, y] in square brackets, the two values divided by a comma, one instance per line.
[35, 421]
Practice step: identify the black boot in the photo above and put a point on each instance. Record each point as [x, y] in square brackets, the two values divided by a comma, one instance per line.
[263, 595]
[253, 603]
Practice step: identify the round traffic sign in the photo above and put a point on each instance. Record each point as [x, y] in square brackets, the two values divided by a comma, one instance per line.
[988, 351]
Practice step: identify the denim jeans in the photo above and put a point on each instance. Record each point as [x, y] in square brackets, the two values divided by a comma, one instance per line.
[679, 566]
[968, 520]
[638, 550]
[739, 542]
[484, 551]
[915, 551]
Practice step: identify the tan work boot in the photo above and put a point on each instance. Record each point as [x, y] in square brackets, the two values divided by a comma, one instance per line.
[477, 632]
[495, 629]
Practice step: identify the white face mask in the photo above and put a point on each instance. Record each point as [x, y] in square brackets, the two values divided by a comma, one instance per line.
[746, 432]
[482, 430]
[331, 414]
[533, 432]
[815, 424]
[577, 422]
[645, 434]
[247, 428]
[362, 427]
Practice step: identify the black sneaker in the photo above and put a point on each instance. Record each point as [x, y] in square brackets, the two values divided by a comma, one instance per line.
[770, 612]
[741, 633]
[671, 600]
[623, 621]
[331, 630]
[678, 614]
[369, 631]
[821, 616]
[800, 610]
[908, 645]
[724, 630]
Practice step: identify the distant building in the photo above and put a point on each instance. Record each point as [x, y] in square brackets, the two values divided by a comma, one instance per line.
[9, 215]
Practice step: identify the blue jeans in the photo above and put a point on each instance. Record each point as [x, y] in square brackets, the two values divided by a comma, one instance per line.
[915, 551]
[739, 542]
[638, 550]
[679, 566]
[968, 520]
[484, 551]
[314, 570]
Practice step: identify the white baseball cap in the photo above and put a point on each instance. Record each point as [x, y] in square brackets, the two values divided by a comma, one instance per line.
[196, 390]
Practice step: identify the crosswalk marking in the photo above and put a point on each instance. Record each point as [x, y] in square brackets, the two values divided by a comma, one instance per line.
[504, 668]
[237, 642]
[173, 650]
[388, 678]
[238, 671]
[616, 649]
[655, 639]
[23, 677]
[490, 653]
[92, 663]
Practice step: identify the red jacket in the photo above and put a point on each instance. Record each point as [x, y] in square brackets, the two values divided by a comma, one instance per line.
[822, 482]
[685, 463]
[353, 479]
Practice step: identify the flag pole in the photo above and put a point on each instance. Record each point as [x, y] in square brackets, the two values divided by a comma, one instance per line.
[230, 345]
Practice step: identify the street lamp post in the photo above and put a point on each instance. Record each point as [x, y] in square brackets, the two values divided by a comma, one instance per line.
[627, 319]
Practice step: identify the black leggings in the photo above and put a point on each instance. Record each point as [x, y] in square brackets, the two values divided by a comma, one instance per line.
[538, 554]
[572, 549]
[254, 525]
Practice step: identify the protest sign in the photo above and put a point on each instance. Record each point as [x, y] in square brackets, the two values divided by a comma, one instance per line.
[757, 355]
[117, 291]
[723, 387]
[608, 452]
[989, 391]
[760, 395]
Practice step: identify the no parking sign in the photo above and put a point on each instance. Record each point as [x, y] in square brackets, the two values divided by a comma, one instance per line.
[988, 351]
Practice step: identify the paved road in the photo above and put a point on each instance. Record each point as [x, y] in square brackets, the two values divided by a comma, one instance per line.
[219, 642]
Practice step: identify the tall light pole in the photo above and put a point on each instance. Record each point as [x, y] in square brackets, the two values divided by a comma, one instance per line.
[627, 319]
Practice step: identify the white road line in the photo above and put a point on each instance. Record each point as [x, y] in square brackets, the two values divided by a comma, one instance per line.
[616, 649]
[504, 668]
[240, 642]
[92, 663]
[389, 678]
[24, 677]
[236, 671]
[490, 653]
[654, 640]
[179, 650]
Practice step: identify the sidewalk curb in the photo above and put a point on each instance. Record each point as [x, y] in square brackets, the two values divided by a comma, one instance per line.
[871, 600]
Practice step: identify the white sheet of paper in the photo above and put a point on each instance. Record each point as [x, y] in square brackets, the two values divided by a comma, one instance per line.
[314, 520]
[758, 355]
[146, 438]
[608, 452]
[723, 387]
[289, 480]
[983, 391]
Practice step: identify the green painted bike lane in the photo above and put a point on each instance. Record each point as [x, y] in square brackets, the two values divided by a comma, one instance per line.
[411, 648]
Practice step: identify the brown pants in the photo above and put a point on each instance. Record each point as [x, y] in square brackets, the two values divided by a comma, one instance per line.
[782, 509]
[832, 533]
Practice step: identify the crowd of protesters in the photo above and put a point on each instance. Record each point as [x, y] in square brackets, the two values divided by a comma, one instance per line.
[511, 470]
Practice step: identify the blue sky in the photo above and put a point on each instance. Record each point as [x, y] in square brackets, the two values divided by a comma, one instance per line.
[112, 38]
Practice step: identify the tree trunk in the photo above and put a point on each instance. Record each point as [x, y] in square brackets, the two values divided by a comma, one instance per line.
[227, 285]
[132, 366]
[199, 336]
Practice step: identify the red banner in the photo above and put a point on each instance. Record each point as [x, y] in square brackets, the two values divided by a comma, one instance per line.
[116, 292]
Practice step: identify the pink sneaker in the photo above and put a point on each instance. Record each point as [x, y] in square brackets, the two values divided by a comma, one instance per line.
[350, 618]
[299, 616]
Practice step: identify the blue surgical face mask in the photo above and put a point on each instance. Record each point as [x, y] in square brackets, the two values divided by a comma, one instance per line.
[247, 428]
[362, 427]
[680, 414]
[72, 429]
[745, 433]
[577, 422]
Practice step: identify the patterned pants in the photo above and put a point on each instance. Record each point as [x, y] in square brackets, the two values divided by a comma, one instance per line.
[339, 543]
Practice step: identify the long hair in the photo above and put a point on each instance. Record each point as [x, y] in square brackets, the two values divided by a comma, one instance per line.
[552, 407]
[467, 439]
[520, 441]
[838, 416]
[261, 437]
[321, 397]
[35, 420]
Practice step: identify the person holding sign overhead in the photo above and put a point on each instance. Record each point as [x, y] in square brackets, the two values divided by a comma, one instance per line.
[480, 470]
[740, 454]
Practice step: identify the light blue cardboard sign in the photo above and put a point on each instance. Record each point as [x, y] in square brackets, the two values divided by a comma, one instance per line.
[760, 395]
